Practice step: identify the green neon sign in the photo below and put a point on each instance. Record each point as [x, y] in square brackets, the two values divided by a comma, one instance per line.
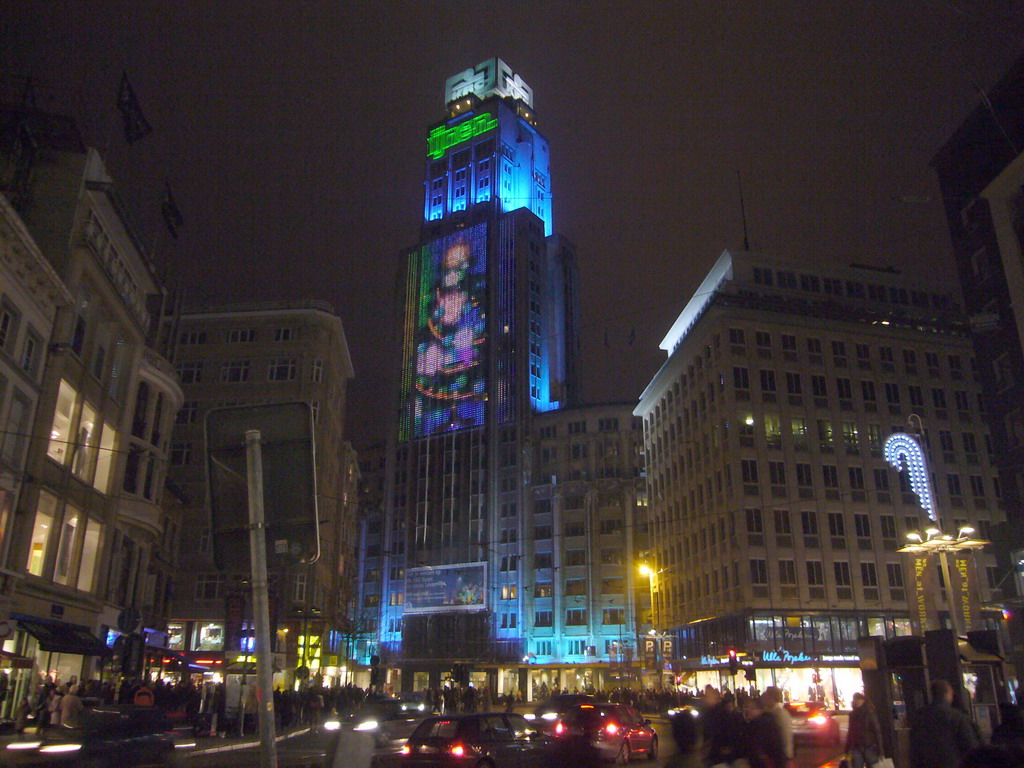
[441, 139]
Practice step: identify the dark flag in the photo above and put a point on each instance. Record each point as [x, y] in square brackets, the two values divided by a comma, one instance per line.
[169, 210]
[135, 124]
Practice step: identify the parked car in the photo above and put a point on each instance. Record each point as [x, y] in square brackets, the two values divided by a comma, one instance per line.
[109, 737]
[812, 723]
[616, 731]
[549, 710]
[494, 739]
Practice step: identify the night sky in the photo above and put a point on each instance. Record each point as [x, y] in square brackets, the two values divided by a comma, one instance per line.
[293, 136]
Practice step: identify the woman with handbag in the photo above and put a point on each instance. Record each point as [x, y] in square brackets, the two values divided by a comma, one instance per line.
[864, 736]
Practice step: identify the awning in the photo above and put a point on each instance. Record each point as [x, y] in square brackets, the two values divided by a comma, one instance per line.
[971, 654]
[10, 660]
[61, 637]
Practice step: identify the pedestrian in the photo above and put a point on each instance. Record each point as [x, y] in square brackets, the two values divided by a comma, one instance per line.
[53, 705]
[723, 728]
[864, 735]
[940, 736]
[23, 714]
[71, 708]
[762, 740]
[772, 698]
[143, 696]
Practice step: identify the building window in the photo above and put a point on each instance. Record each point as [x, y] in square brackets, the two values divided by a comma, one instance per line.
[397, 598]
[60, 430]
[894, 572]
[241, 335]
[181, 454]
[815, 573]
[192, 337]
[868, 575]
[188, 413]
[836, 524]
[208, 586]
[614, 616]
[285, 334]
[576, 617]
[542, 619]
[282, 369]
[234, 371]
[758, 571]
[749, 470]
[862, 526]
[841, 569]
[787, 572]
[9, 317]
[190, 372]
[809, 523]
[755, 521]
[46, 510]
[317, 371]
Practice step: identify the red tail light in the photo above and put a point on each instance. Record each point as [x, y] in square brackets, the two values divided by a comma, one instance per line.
[611, 729]
[457, 750]
[818, 719]
[559, 728]
[406, 749]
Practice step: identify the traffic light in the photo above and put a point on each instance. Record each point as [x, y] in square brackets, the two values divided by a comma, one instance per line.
[734, 663]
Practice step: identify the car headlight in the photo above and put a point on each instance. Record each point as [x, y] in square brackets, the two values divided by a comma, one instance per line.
[673, 712]
[332, 725]
[61, 748]
[366, 725]
[549, 716]
[421, 707]
[529, 716]
[25, 745]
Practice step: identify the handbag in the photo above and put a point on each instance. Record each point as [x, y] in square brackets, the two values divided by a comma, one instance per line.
[885, 762]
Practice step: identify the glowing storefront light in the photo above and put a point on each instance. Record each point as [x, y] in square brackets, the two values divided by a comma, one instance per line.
[902, 447]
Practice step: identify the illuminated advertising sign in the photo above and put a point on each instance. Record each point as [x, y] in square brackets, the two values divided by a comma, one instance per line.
[444, 382]
[489, 77]
[445, 588]
[442, 138]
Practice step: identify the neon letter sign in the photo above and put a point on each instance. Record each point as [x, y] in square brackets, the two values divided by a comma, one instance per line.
[901, 446]
[441, 139]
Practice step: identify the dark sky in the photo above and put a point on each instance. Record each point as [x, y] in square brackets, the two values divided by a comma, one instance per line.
[293, 136]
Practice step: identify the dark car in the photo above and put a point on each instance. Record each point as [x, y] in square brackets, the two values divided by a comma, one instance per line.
[389, 721]
[107, 737]
[549, 710]
[494, 739]
[812, 723]
[616, 731]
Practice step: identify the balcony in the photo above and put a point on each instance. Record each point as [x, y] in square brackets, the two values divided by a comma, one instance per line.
[143, 514]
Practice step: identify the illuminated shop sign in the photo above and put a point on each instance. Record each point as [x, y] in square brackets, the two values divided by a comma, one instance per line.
[784, 656]
[441, 139]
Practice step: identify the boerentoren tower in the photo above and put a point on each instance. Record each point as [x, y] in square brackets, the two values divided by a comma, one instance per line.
[489, 339]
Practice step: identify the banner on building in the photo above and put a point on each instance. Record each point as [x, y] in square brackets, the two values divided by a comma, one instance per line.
[444, 588]
[924, 588]
[963, 574]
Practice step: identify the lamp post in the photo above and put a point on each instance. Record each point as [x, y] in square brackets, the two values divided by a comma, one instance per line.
[935, 541]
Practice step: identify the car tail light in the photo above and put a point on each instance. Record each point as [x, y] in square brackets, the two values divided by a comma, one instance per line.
[405, 750]
[559, 728]
[818, 719]
[611, 729]
[457, 750]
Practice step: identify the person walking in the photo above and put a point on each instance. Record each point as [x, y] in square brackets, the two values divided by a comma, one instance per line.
[71, 708]
[762, 740]
[772, 698]
[940, 736]
[723, 729]
[864, 734]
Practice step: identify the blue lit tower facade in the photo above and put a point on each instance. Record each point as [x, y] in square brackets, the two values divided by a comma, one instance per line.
[489, 338]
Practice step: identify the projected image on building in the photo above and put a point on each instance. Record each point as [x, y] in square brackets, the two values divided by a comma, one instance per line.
[448, 383]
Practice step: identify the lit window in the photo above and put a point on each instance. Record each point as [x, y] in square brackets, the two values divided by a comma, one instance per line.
[60, 431]
[69, 531]
[45, 511]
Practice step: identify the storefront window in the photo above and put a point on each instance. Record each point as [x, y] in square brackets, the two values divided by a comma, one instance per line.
[66, 546]
[45, 511]
[105, 460]
[209, 637]
[88, 433]
[90, 549]
[876, 626]
[176, 636]
[60, 432]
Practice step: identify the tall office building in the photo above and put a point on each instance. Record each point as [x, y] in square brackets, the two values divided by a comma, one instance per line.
[489, 340]
[776, 518]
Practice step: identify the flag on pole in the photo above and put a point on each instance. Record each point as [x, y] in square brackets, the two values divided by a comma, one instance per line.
[170, 211]
[135, 124]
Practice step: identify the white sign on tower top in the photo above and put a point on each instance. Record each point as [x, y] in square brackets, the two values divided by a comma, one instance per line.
[487, 78]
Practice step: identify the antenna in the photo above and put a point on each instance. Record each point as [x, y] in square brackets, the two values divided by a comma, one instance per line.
[743, 211]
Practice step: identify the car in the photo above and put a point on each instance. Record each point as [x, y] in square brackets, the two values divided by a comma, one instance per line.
[616, 731]
[549, 710]
[416, 702]
[492, 739]
[389, 721]
[812, 723]
[108, 737]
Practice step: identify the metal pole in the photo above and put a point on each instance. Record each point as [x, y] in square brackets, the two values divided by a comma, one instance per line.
[260, 600]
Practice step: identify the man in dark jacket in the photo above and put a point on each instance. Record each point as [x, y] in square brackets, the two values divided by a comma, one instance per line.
[864, 736]
[723, 727]
[940, 735]
[762, 737]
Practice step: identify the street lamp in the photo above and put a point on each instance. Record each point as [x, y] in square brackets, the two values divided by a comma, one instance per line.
[935, 541]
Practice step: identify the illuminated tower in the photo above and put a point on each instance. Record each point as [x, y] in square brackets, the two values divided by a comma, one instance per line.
[489, 339]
